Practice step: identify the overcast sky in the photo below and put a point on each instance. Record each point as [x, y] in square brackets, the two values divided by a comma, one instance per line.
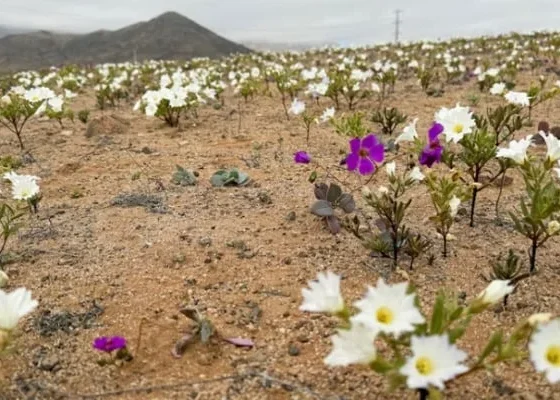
[340, 21]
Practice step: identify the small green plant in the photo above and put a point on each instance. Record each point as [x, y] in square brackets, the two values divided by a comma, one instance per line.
[389, 119]
[350, 126]
[83, 116]
[390, 206]
[9, 163]
[329, 198]
[8, 223]
[537, 216]
[184, 177]
[446, 194]
[229, 177]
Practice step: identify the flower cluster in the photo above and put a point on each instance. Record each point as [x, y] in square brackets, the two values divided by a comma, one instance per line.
[424, 354]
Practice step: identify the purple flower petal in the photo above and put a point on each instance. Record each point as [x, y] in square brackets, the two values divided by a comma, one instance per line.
[241, 342]
[435, 131]
[355, 145]
[302, 157]
[352, 161]
[430, 155]
[366, 166]
[377, 153]
[369, 141]
[109, 344]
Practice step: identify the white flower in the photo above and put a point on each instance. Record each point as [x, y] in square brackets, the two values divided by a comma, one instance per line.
[454, 206]
[391, 168]
[14, 306]
[495, 292]
[383, 189]
[416, 175]
[297, 107]
[539, 318]
[552, 227]
[327, 114]
[5, 100]
[552, 146]
[457, 122]
[434, 360]
[375, 87]
[388, 308]
[24, 187]
[69, 94]
[323, 294]
[544, 350]
[151, 109]
[517, 98]
[409, 133]
[354, 346]
[498, 88]
[177, 102]
[516, 151]
[55, 103]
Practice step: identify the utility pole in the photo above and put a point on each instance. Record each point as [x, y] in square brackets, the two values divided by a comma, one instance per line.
[397, 25]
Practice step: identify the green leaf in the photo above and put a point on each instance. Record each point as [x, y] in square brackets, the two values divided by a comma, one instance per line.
[206, 330]
[322, 208]
[381, 366]
[438, 314]
[434, 394]
[495, 343]
[313, 177]
[347, 203]
[334, 193]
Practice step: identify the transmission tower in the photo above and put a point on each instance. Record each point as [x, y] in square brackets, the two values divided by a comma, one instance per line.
[397, 25]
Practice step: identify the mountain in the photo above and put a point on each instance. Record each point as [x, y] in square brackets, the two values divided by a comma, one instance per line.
[9, 30]
[280, 47]
[170, 36]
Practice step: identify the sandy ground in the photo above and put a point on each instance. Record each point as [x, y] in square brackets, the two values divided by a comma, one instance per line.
[100, 269]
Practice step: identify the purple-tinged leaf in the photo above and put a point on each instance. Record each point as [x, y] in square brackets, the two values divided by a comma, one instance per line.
[181, 345]
[240, 342]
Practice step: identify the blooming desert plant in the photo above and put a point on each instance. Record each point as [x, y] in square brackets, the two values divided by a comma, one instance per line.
[392, 336]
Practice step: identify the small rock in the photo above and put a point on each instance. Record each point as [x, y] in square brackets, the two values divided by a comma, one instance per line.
[205, 241]
[49, 363]
[291, 216]
[303, 338]
[293, 351]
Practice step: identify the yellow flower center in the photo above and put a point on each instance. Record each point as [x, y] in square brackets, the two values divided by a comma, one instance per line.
[424, 366]
[458, 128]
[553, 355]
[25, 193]
[384, 315]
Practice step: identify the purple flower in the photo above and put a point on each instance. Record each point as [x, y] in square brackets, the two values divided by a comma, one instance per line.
[364, 153]
[302, 157]
[109, 344]
[433, 151]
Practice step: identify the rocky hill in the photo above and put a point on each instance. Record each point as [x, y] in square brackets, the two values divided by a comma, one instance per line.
[169, 36]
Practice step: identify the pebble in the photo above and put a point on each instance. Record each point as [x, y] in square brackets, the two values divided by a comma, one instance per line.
[293, 351]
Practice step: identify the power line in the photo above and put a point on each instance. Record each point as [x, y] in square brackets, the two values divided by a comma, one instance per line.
[397, 25]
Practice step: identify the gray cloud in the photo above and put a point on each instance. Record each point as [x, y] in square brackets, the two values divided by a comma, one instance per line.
[347, 21]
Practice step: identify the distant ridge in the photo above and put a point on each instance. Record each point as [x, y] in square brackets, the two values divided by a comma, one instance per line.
[169, 36]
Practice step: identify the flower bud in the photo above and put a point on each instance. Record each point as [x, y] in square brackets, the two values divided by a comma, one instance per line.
[553, 227]
[3, 279]
[539, 318]
[383, 190]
